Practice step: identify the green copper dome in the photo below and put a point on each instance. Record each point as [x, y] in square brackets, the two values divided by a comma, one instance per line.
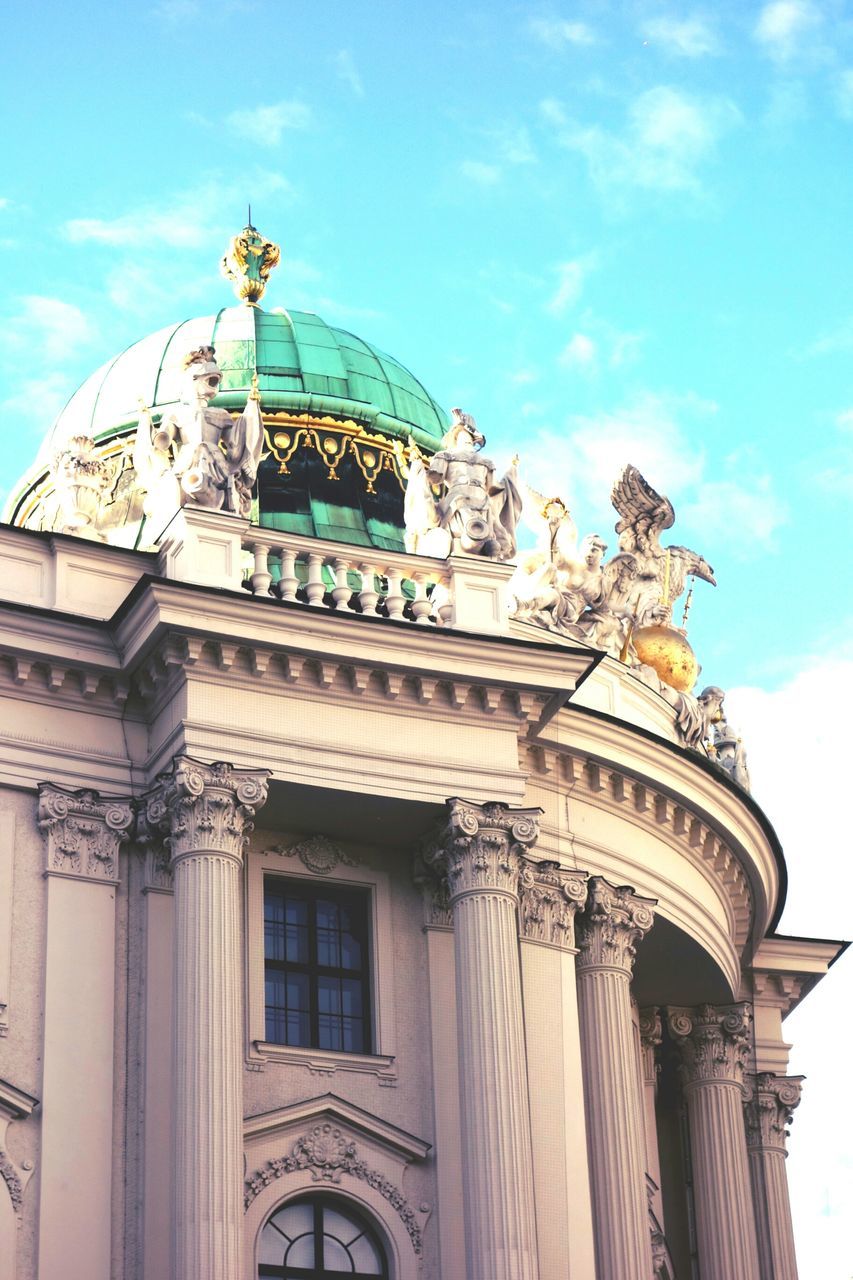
[303, 366]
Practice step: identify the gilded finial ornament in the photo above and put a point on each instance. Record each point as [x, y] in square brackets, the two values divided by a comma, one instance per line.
[248, 261]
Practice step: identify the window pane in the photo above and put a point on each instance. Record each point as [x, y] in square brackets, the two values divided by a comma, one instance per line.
[301, 1252]
[295, 1219]
[331, 1033]
[353, 1036]
[335, 1256]
[328, 948]
[329, 995]
[351, 997]
[350, 952]
[365, 1257]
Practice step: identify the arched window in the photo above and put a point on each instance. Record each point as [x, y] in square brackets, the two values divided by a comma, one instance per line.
[317, 1238]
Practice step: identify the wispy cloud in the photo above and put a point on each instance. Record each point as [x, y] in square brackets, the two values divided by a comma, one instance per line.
[347, 71]
[560, 33]
[189, 220]
[174, 12]
[571, 278]
[668, 134]
[35, 403]
[835, 476]
[580, 352]
[51, 326]
[784, 27]
[750, 510]
[844, 94]
[485, 175]
[266, 125]
[692, 37]
[832, 341]
[514, 145]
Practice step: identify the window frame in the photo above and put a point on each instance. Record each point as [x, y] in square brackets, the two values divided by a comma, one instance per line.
[318, 1203]
[274, 861]
[357, 901]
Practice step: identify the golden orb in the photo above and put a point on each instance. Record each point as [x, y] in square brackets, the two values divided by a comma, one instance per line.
[667, 651]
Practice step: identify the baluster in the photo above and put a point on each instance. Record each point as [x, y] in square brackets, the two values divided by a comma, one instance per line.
[261, 578]
[421, 605]
[368, 595]
[314, 588]
[394, 600]
[442, 604]
[341, 591]
[288, 582]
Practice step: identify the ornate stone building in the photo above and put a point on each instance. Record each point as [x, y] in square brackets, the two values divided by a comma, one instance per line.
[464, 962]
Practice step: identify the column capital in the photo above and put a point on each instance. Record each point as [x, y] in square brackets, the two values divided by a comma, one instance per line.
[651, 1035]
[195, 806]
[481, 847]
[613, 923]
[550, 897]
[84, 831]
[714, 1042]
[770, 1104]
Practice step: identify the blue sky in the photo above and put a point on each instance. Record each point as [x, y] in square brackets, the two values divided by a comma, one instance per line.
[613, 232]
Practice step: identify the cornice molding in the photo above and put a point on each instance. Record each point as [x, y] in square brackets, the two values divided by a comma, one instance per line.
[640, 801]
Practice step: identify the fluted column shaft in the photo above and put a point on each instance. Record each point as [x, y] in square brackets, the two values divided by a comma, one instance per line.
[205, 813]
[480, 853]
[768, 1114]
[607, 934]
[714, 1044]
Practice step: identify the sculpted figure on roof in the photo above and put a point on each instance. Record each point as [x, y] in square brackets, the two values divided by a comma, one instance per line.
[554, 584]
[455, 502]
[198, 453]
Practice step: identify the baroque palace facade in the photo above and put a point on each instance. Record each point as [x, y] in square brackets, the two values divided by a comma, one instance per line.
[375, 900]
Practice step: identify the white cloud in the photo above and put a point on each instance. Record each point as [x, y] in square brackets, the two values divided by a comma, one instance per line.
[346, 69]
[176, 11]
[35, 404]
[625, 349]
[571, 277]
[783, 25]
[524, 377]
[844, 420]
[682, 37]
[514, 146]
[266, 125]
[844, 94]
[580, 352]
[485, 175]
[53, 328]
[4, 202]
[588, 454]
[833, 340]
[668, 134]
[188, 221]
[745, 515]
[797, 743]
[558, 33]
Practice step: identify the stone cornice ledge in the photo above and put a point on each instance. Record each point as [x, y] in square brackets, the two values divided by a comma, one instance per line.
[679, 776]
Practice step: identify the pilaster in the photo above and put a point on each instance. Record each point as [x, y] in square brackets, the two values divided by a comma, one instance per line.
[769, 1108]
[714, 1043]
[608, 933]
[480, 853]
[83, 834]
[204, 814]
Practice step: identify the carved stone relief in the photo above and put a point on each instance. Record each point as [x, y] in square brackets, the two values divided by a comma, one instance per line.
[83, 831]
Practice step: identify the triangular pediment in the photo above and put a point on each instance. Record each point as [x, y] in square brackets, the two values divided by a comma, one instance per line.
[334, 1110]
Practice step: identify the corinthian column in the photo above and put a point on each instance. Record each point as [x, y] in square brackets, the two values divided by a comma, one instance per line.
[768, 1113]
[480, 852]
[204, 815]
[714, 1044]
[607, 934]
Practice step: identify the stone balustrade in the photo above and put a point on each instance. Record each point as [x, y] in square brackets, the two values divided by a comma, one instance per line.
[334, 575]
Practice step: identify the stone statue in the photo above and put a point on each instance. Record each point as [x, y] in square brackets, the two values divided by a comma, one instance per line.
[454, 501]
[555, 583]
[661, 571]
[81, 481]
[199, 454]
[721, 741]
